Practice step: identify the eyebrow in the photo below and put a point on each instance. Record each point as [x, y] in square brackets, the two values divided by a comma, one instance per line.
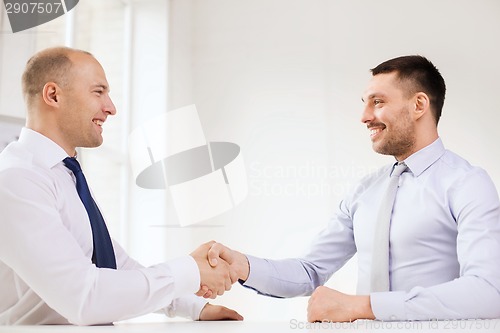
[103, 86]
[372, 96]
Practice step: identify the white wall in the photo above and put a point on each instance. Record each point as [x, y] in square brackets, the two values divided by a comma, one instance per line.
[15, 50]
[283, 79]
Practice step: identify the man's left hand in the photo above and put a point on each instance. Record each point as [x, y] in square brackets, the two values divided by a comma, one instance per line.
[218, 312]
[328, 304]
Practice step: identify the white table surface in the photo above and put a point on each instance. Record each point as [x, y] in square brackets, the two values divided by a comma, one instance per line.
[257, 327]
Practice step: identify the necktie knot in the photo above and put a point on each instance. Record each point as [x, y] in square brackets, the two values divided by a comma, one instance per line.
[398, 169]
[72, 164]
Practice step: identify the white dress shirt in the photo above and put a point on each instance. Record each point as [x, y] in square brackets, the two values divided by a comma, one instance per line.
[46, 273]
[444, 243]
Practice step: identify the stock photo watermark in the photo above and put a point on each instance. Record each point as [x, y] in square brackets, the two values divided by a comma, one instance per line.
[308, 179]
[452, 325]
[26, 14]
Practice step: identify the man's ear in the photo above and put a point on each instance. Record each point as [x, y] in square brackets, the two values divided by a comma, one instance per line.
[51, 94]
[421, 105]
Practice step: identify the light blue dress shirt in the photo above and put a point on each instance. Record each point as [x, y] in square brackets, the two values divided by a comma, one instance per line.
[444, 243]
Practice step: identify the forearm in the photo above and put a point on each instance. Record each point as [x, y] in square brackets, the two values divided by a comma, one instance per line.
[464, 298]
[54, 270]
[281, 278]
[104, 296]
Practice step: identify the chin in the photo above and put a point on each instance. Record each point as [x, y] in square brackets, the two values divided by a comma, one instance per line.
[93, 144]
[381, 150]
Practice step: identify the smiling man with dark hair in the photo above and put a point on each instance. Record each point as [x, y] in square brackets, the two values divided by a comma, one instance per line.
[426, 228]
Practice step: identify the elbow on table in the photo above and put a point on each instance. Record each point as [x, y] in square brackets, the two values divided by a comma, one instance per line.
[82, 318]
[85, 315]
[86, 320]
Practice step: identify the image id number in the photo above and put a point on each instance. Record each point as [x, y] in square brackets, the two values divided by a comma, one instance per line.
[34, 8]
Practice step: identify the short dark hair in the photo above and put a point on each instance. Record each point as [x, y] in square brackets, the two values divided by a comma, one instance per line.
[418, 75]
[52, 64]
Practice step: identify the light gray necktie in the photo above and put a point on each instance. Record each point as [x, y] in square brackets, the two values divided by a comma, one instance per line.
[380, 260]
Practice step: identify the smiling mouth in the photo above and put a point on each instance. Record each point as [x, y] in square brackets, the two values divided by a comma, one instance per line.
[375, 130]
[98, 122]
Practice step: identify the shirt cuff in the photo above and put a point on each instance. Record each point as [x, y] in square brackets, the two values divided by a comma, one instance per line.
[257, 283]
[389, 306]
[188, 306]
[185, 274]
[255, 265]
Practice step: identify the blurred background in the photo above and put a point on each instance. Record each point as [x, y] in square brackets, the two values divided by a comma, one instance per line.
[282, 79]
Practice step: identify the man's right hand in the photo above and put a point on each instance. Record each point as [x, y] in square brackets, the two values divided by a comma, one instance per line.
[214, 279]
[237, 260]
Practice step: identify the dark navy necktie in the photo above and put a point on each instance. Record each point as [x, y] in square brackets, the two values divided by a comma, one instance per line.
[103, 255]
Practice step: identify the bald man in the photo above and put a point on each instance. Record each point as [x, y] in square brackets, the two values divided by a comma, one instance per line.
[49, 273]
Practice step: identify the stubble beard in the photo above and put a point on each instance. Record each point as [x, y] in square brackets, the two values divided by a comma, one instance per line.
[400, 140]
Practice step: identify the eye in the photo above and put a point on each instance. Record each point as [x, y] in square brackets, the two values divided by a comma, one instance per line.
[377, 102]
[98, 92]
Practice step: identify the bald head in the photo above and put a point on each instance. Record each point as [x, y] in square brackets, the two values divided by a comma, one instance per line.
[50, 65]
[67, 96]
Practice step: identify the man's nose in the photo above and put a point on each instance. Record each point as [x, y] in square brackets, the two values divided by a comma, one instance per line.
[109, 107]
[367, 114]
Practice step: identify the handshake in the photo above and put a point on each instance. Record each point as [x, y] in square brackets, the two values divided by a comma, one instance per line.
[219, 267]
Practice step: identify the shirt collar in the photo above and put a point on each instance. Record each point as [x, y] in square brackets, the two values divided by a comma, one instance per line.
[418, 162]
[45, 151]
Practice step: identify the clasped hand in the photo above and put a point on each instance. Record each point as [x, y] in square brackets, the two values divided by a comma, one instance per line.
[219, 267]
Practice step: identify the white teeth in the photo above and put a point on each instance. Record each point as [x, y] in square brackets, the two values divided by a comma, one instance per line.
[98, 122]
